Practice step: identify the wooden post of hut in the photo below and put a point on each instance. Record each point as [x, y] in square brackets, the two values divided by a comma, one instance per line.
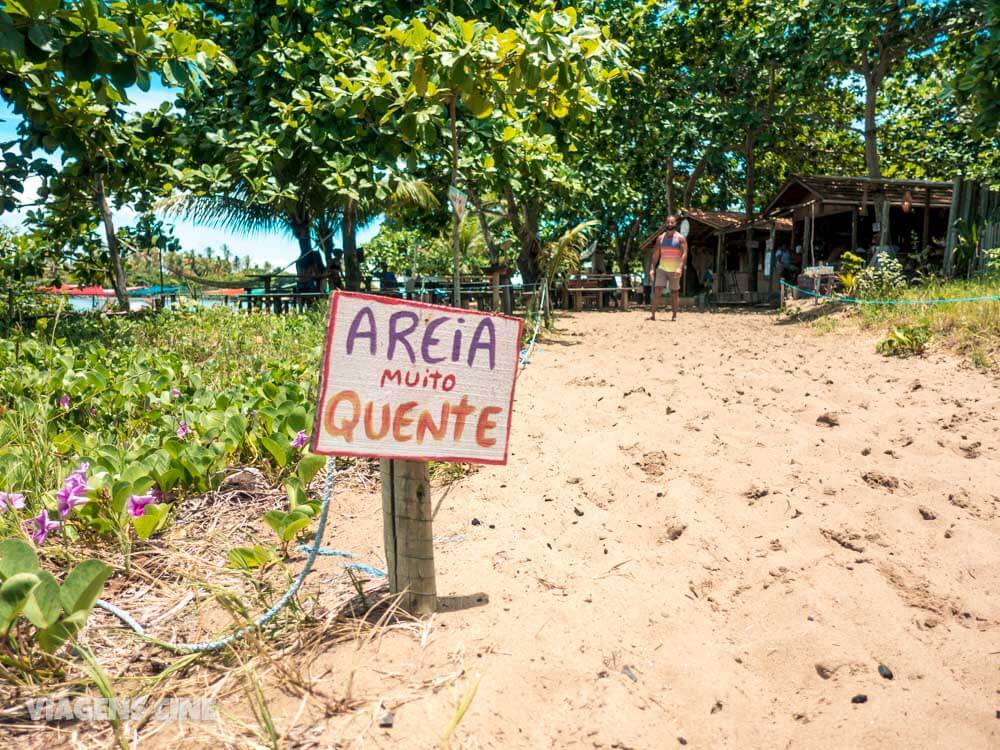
[807, 237]
[718, 262]
[409, 547]
[925, 235]
[774, 259]
[854, 230]
[626, 289]
[952, 236]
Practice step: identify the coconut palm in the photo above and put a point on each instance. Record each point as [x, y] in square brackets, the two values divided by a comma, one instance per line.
[239, 211]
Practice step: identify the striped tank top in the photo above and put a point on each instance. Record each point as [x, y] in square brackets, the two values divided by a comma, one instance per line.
[670, 252]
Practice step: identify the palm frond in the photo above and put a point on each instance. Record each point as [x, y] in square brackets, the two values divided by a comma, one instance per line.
[470, 236]
[563, 254]
[233, 212]
[412, 193]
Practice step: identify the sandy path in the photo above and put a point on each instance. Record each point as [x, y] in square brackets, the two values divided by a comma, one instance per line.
[673, 507]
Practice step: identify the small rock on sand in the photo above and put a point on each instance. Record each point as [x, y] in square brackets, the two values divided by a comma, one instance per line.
[878, 479]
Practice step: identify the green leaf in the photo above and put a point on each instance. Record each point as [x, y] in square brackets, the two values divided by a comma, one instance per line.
[83, 585]
[477, 105]
[11, 41]
[309, 466]
[183, 42]
[295, 524]
[248, 558]
[43, 608]
[236, 428]
[296, 493]
[14, 595]
[298, 419]
[134, 473]
[276, 520]
[420, 78]
[16, 556]
[89, 10]
[52, 638]
[151, 521]
[41, 36]
[278, 451]
[120, 494]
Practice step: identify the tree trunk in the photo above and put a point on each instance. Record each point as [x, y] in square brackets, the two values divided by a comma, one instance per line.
[748, 207]
[484, 225]
[671, 202]
[692, 180]
[872, 163]
[117, 270]
[873, 78]
[303, 233]
[456, 228]
[529, 242]
[324, 236]
[349, 231]
[526, 229]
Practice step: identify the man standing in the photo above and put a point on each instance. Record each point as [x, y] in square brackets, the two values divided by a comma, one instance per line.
[669, 255]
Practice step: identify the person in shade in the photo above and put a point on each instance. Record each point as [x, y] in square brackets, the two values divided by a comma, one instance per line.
[669, 255]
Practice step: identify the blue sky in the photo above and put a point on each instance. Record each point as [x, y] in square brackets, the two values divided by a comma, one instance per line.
[277, 248]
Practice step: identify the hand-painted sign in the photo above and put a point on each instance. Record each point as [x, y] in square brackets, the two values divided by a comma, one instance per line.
[412, 381]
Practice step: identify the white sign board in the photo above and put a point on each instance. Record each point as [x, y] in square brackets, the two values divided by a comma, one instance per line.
[767, 262]
[413, 381]
[458, 200]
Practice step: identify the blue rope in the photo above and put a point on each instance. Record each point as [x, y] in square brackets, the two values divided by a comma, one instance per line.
[328, 552]
[266, 617]
[853, 301]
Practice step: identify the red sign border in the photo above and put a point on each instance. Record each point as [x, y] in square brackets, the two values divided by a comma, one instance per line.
[335, 296]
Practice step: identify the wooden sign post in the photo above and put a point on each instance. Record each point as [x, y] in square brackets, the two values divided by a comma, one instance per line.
[410, 383]
[409, 545]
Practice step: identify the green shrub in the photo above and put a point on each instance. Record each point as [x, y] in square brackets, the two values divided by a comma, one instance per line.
[882, 280]
[906, 340]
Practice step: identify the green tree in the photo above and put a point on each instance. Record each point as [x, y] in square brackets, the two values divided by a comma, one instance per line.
[504, 97]
[66, 71]
[978, 82]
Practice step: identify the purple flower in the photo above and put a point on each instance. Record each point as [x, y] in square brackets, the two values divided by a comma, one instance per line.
[43, 526]
[175, 392]
[300, 439]
[74, 490]
[93, 411]
[183, 430]
[137, 505]
[11, 501]
[64, 402]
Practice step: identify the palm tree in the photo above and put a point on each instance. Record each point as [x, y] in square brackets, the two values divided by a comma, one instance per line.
[239, 211]
[562, 255]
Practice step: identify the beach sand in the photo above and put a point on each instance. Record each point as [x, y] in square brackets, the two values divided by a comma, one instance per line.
[711, 533]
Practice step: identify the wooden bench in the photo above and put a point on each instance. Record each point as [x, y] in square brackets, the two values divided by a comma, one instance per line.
[595, 286]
